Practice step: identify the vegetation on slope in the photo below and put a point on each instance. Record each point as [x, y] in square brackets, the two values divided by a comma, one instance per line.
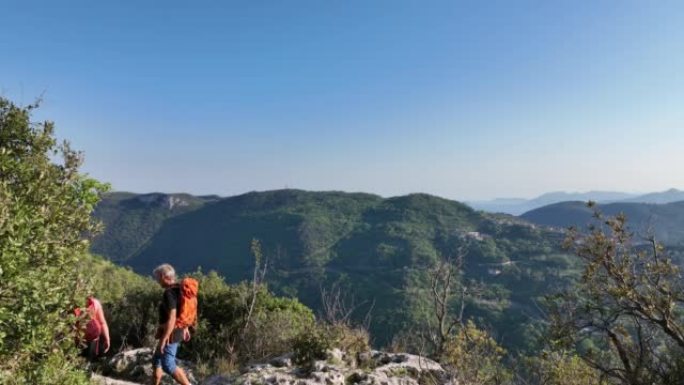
[378, 250]
[664, 220]
[131, 219]
[45, 209]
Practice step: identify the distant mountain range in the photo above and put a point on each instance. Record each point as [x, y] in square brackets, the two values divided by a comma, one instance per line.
[664, 220]
[379, 250]
[515, 206]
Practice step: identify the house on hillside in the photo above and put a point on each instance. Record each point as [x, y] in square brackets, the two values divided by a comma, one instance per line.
[475, 235]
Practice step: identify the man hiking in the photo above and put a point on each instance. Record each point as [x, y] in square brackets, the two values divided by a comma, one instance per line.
[171, 332]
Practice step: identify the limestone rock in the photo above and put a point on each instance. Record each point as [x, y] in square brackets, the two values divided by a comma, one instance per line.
[368, 368]
[136, 365]
[102, 380]
[373, 368]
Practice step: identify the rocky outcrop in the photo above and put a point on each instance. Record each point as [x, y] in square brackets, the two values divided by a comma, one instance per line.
[164, 200]
[135, 366]
[339, 368]
[371, 368]
[98, 379]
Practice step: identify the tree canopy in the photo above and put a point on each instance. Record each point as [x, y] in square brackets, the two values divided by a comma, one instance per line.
[45, 207]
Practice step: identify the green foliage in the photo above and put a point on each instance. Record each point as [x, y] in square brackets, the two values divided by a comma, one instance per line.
[309, 346]
[131, 220]
[473, 357]
[45, 212]
[313, 343]
[352, 340]
[559, 368]
[223, 339]
[224, 333]
[110, 282]
[627, 308]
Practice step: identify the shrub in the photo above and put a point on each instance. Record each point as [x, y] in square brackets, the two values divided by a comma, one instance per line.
[313, 343]
[560, 368]
[45, 212]
[225, 334]
[473, 357]
[348, 339]
[309, 346]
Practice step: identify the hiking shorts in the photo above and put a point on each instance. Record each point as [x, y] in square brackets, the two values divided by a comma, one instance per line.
[93, 350]
[166, 360]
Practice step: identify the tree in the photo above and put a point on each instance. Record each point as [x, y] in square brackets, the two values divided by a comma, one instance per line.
[557, 368]
[45, 218]
[446, 282]
[626, 311]
[472, 356]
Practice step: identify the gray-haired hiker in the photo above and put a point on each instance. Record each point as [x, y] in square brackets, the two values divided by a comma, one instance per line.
[164, 359]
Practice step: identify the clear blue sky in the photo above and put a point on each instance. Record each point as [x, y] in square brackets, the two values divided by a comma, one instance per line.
[466, 100]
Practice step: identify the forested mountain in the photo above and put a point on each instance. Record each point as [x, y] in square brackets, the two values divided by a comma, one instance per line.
[131, 219]
[666, 221]
[380, 251]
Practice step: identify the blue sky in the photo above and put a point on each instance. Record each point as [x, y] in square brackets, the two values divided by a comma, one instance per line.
[466, 100]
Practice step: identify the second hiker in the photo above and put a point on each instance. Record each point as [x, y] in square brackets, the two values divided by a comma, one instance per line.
[177, 312]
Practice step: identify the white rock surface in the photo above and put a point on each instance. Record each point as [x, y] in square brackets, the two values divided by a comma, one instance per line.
[339, 368]
[102, 380]
[382, 369]
[136, 365]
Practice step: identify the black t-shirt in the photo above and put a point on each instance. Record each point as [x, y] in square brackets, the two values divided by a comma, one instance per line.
[169, 301]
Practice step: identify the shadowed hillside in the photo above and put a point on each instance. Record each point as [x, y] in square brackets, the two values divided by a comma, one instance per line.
[131, 219]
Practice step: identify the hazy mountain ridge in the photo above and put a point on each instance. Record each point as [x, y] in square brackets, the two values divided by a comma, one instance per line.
[519, 206]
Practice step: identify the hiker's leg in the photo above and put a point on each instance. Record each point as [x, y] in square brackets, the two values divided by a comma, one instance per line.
[158, 373]
[168, 363]
[93, 350]
[168, 359]
[180, 377]
[157, 365]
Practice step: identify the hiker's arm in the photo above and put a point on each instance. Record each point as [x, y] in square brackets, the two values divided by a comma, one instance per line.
[105, 328]
[168, 330]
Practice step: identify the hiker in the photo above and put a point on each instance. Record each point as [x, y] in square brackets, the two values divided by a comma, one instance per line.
[175, 308]
[96, 331]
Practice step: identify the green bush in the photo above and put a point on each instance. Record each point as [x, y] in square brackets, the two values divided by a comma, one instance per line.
[45, 212]
[348, 339]
[309, 346]
[228, 333]
[313, 343]
[559, 368]
[473, 357]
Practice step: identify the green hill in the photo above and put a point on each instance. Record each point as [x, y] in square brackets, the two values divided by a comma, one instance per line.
[131, 219]
[666, 221]
[379, 250]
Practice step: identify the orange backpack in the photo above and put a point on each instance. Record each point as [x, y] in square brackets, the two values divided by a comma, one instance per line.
[187, 315]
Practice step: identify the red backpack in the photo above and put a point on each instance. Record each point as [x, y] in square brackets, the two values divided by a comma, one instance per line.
[93, 328]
